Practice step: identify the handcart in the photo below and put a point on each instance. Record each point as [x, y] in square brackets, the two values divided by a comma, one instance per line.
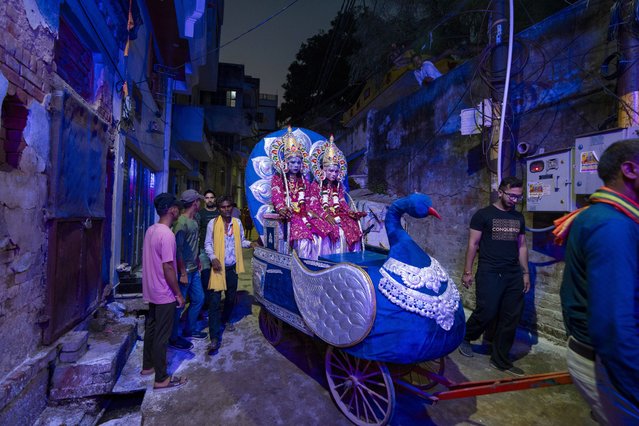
[389, 318]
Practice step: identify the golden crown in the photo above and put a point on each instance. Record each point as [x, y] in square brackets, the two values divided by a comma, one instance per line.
[331, 155]
[292, 147]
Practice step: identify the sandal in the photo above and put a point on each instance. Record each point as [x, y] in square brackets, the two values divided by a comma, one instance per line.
[174, 382]
[147, 372]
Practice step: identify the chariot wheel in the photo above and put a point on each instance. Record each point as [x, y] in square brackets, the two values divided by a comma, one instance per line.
[417, 375]
[271, 327]
[362, 389]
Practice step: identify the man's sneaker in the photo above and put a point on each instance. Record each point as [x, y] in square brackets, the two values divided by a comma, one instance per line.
[512, 370]
[196, 335]
[214, 346]
[229, 326]
[465, 349]
[180, 344]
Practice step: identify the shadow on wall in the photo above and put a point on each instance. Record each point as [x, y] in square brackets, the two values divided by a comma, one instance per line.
[475, 159]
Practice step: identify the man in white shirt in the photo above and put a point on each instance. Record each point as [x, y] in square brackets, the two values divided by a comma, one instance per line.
[223, 245]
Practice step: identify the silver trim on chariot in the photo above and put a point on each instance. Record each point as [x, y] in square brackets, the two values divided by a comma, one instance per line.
[338, 303]
[441, 308]
[271, 256]
[285, 315]
[430, 277]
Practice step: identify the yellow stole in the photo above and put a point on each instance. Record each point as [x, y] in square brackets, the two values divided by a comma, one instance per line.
[217, 282]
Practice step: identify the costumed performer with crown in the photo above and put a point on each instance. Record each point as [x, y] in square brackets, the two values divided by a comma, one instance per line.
[328, 200]
[289, 196]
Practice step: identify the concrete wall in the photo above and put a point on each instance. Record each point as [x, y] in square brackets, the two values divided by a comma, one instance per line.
[415, 144]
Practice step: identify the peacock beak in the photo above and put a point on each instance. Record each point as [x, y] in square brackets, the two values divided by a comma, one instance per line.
[433, 212]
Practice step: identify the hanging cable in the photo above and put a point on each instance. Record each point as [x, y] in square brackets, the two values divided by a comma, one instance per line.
[504, 103]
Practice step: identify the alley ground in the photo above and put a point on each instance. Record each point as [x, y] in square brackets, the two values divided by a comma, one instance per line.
[250, 382]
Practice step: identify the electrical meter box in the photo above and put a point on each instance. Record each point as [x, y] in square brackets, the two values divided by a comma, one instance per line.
[549, 182]
[588, 150]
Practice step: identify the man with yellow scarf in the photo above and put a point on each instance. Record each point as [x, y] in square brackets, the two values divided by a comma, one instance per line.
[223, 245]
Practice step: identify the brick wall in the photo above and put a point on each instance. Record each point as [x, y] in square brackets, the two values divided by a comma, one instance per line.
[25, 67]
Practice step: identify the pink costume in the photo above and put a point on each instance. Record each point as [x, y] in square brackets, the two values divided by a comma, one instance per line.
[331, 201]
[328, 200]
[289, 193]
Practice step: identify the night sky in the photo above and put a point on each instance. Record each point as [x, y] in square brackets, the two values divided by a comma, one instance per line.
[268, 51]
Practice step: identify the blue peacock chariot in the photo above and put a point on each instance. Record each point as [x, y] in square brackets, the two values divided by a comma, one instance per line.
[398, 307]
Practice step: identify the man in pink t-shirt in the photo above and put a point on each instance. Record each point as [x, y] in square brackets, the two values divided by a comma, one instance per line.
[160, 289]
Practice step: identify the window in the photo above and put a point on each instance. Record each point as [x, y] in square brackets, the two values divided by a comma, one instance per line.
[231, 96]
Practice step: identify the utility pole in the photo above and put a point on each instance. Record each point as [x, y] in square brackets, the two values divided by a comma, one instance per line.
[628, 82]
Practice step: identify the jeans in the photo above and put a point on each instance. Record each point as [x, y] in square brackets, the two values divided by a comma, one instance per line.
[582, 371]
[196, 299]
[619, 409]
[217, 316]
[499, 295]
[157, 330]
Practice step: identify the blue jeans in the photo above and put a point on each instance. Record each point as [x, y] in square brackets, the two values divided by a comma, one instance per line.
[217, 315]
[196, 297]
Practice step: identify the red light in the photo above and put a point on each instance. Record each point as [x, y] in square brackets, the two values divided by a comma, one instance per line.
[536, 166]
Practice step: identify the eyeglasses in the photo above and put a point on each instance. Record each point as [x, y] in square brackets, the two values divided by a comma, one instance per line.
[513, 197]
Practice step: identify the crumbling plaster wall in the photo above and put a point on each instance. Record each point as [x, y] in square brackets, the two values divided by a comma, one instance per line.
[26, 53]
[415, 145]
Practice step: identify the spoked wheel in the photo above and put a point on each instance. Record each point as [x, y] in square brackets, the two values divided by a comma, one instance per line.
[362, 389]
[271, 327]
[417, 376]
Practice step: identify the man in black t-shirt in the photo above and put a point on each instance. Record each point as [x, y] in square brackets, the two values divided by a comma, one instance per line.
[204, 216]
[498, 233]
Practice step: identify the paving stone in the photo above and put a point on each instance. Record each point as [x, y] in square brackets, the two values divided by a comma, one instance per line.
[73, 356]
[97, 370]
[74, 340]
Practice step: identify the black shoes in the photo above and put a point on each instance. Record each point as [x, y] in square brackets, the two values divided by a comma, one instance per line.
[512, 370]
[214, 346]
[466, 349]
[180, 344]
[196, 335]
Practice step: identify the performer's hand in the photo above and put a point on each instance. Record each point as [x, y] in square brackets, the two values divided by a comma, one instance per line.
[284, 213]
[216, 265]
[356, 215]
[180, 301]
[184, 279]
[254, 244]
[526, 283]
[467, 280]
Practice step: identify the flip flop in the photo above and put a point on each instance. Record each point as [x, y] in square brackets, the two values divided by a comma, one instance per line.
[147, 372]
[173, 383]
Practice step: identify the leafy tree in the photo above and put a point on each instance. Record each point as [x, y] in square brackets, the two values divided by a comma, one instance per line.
[317, 81]
[434, 27]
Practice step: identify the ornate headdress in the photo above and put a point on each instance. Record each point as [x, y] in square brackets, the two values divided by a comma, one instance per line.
[327, 154]
[285, 148]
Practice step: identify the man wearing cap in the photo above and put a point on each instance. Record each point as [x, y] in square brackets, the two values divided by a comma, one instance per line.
[160, 289]
[187, 232]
